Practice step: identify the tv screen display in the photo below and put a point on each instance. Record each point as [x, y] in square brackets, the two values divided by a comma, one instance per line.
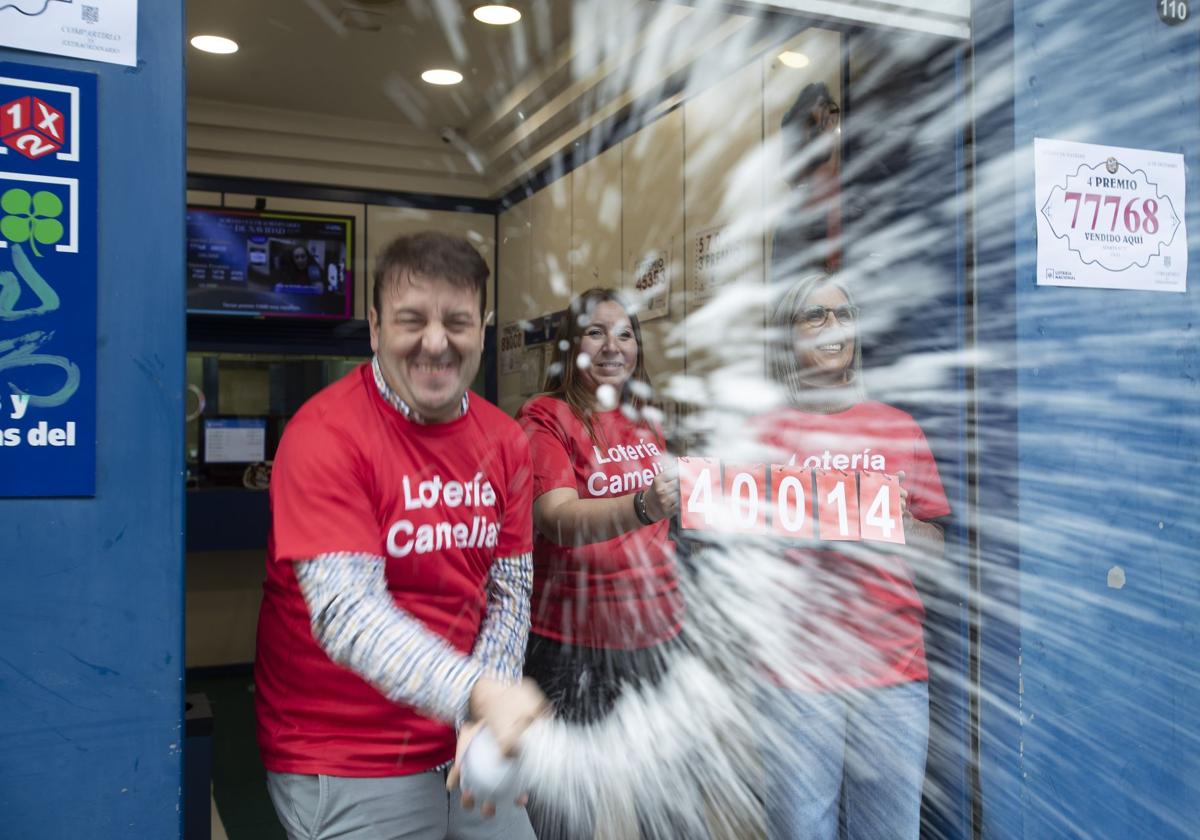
[261, 263]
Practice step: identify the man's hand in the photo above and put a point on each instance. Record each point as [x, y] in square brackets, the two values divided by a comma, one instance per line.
[507, 710]
[487, 808]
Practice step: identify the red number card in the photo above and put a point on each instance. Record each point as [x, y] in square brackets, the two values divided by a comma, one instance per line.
[837, 505]
[792, 501]
[745, 498]
[879, 496]
[699, 493]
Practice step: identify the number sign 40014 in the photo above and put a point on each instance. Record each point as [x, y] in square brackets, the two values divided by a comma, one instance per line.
[789, 501]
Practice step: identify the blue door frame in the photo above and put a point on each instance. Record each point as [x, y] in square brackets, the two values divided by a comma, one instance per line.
[91, 589]
[1088, 448]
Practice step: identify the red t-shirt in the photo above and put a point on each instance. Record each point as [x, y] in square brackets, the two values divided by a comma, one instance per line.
[857, 616]
[622, 593]
[439, 502]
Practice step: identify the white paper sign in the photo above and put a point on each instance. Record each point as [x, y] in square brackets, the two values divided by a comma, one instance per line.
[512, 343]
[718, 259]
[97, 30]
[652, 285]
[1109, 218]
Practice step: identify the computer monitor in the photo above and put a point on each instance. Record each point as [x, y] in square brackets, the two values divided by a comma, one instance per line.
[234, 440]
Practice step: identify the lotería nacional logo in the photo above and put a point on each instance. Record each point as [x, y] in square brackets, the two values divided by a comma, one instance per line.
[32, 127]
[1112, 165]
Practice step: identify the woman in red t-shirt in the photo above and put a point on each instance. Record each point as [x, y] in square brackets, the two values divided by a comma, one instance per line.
[854, 696]
[606, 595]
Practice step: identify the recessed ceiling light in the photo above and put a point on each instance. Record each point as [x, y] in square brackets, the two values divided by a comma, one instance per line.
[215, 44]
[442, 77]
[794, 60]
[497, 15]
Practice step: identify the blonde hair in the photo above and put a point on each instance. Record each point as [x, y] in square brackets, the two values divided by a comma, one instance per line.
[782, 364]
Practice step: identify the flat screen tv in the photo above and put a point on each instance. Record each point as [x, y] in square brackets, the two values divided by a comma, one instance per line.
[269, 264]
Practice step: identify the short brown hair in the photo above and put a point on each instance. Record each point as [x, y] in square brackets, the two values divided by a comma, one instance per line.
[435, 255]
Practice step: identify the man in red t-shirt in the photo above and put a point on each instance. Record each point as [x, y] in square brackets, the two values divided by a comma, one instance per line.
[396, 604]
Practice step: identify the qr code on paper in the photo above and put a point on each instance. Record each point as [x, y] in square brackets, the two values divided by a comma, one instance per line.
[91, 14]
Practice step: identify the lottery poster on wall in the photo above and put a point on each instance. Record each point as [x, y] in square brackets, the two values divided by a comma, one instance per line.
[96, 30]
[718, 257]
[512, 344]
[1109, 217]
[652, 285]
[47, 282]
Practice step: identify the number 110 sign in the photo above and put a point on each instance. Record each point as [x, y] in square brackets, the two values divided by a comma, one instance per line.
[781, 500]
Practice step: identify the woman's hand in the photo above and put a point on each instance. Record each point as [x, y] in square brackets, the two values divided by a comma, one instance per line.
[904, 513]
[662, 497]
[928, 535]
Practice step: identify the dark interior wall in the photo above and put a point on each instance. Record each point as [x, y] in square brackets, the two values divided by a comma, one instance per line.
[91, 590]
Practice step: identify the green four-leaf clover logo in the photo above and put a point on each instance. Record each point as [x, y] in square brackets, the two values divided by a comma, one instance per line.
[31, 218]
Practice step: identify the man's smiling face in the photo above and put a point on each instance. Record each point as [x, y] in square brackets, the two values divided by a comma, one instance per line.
[429, 341]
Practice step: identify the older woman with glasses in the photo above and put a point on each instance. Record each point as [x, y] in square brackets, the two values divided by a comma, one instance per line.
[854, 699]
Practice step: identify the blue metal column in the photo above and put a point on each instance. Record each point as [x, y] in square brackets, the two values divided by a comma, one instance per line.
[91, 590]
[1091, 718]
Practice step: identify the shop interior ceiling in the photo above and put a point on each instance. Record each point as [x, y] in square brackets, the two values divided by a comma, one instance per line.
[329, 91]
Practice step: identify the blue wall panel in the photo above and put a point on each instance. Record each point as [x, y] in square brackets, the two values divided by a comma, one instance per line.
[1107, 396]
[91, 590]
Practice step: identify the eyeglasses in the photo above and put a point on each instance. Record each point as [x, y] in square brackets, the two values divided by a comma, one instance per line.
[815, 316]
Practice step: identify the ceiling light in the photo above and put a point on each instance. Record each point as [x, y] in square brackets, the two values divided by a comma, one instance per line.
[794, 60]
[497, 15]
[215, 44]
[442, 77]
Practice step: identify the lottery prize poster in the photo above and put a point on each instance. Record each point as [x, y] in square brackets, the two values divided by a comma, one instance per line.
[652, 285]
[47, 282]
[512, 346]
[1109, 217]
[719, 256]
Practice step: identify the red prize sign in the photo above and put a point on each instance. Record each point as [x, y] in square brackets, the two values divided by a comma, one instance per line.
[837, 505]
[792, 495]
[746, 498]
[699, 493]
[848, 506]
[879, 497]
